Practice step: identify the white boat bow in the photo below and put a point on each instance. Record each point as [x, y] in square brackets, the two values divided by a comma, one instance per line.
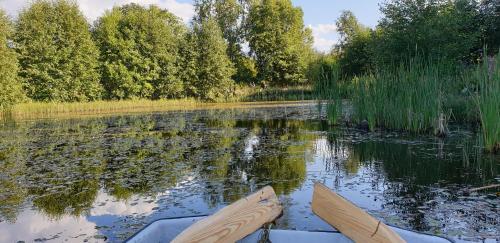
[164, 230]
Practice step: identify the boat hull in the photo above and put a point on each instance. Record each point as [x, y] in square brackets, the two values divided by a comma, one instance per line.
[165, 230]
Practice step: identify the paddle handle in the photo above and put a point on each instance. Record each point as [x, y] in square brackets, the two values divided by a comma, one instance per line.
[235, 221]
[352, 221]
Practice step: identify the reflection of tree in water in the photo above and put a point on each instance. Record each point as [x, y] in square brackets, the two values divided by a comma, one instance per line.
[334, 152]
[141, 155]
[422, 167]
[61, 165]
[12, 167]
[279, 156]
[64, 166]
[416, 176]
[219, 140]
[246, 155]
[412, 171]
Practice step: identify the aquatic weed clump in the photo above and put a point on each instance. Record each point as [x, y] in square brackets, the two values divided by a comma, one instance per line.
[406, 97]
[327, 87]
[487, 99]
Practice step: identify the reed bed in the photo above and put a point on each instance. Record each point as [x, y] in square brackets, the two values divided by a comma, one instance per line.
[40, 110]
[294, 93]
[245, 96]
[328, 87]
[421, 96]
[48, 109]
[408, 97]
[487, 100]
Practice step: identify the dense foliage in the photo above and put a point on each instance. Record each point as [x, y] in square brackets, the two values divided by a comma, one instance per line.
[57, 56]
[230, 15]
[10, 85]
[454, 31]
[489, 19]
[214, 68]
[140, 52]
[134, 51]
[426, 62]
[419, 48]
[487, 100]
[439, 29]
[279, 41]
[407, 98]
[354, 46]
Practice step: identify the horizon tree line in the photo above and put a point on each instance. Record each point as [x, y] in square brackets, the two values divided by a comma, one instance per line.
[51, 52]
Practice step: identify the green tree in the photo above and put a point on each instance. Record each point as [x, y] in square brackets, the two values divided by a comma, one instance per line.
[140, 52]
[10, 85]
[354, 47]
[348, 27]
[214, 67]
[279, 41]
[229, 15]
[246, 72]
[204, 10]
[57, 56]
[490, 21]
[188, 52]
[438, 29]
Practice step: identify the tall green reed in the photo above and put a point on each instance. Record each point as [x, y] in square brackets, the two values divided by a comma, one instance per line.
[487, 99]
[327, 88]
[406, 97]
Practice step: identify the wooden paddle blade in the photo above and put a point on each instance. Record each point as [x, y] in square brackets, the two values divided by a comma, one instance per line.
[352, 221]
[235, 221]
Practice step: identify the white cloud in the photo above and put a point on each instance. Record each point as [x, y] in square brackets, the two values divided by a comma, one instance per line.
[324, 28]
[106, 204]
[12, 6]
[323, 44]
[34, 224]
[31, 224]
[92, 9]
[324, 36]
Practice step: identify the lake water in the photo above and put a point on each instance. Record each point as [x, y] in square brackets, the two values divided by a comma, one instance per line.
[97, 179]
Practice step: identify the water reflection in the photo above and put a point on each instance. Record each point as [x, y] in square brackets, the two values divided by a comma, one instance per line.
[104, 178]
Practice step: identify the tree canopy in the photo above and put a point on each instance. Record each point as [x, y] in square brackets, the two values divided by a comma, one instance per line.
[489, 16]
[57, 56]
[437, 29]
[451, 31]
[140, 52]
[279, 41]
[214, 68]
[230, 15]
[134, 51]
[10, 84]
[354, 45]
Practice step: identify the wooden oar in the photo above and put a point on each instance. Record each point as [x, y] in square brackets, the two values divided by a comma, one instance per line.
[235, 221]
[352, 221]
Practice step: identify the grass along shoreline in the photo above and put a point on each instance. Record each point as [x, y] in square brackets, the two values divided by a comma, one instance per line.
[244, 96]
[43, 110]
[419, 96]
[487, 99]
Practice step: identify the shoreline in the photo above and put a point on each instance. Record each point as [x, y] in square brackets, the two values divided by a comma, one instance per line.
[40, 110]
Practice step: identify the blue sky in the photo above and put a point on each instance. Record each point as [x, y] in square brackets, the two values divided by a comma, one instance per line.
[320, 15]
[321, 11]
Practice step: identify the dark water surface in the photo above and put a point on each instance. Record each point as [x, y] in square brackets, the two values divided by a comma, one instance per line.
[99, 179]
